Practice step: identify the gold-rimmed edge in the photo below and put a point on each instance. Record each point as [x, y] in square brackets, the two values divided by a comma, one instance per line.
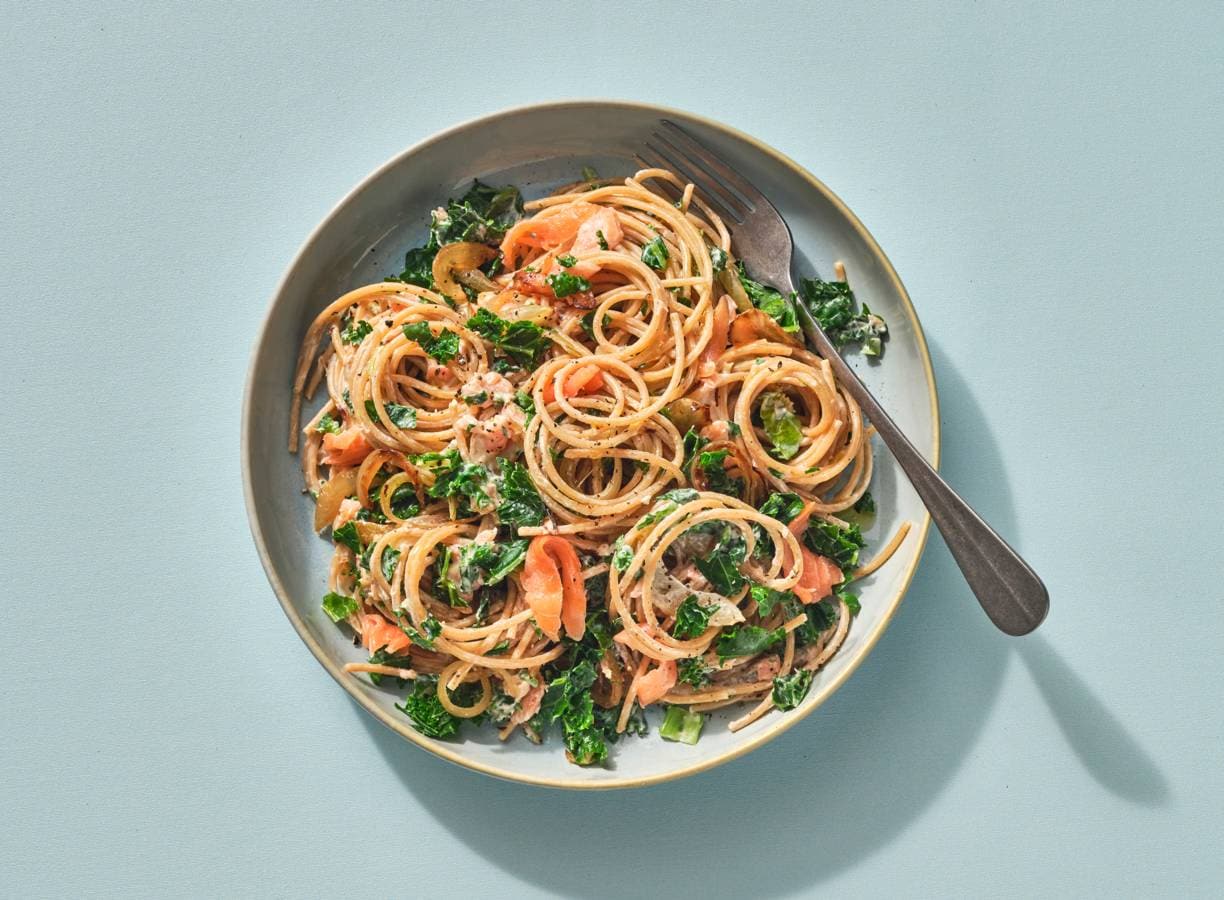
[401, 727]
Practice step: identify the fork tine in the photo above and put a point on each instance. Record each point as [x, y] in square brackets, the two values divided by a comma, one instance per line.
[719, 200]
[729, 178]
[666, 187]
[652, 158]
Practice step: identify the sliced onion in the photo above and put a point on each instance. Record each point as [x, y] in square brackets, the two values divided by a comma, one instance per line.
[331, 495]
[756, 325]
[729, 279]
[476, 280]
[460, 257]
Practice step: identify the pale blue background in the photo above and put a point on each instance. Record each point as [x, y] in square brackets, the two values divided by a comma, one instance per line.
[1047, 180]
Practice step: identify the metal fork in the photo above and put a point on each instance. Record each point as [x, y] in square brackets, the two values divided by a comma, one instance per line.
[1008, 589]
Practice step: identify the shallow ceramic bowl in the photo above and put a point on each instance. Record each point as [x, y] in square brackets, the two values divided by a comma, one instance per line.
[539, 148]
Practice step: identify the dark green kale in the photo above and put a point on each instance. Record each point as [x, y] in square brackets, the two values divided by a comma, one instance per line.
[667, 504]
[483, 215]
[426, 635]
[521, 341]
[328, 425]
[655, 254]
[839, 544]
[426, 711]
[718, 257]
[692, 619]
[768, 599]
[455, 478]
[747, 640]
[404, 502]
[568, 702]
[693, 442]
[444, 346]
[770, 301]
[390, 559]
[789, 690]
[382, 658]
[565, 283]
[401, 416]
[355, 332]
[713, 464]
[486, 565]
[783, 507]
[346, 534]
[721, 565]
[694, 672]
[832, 305]
[443, 583]
[520, 501]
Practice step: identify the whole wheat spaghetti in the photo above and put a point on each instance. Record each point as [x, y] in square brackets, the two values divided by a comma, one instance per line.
[577, 463]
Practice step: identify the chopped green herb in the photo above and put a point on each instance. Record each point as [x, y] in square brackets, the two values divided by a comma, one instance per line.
[338, 607]
[346, 534]
[603, 241]
[718, 257]
[567, 260]
[565, 283]
[694, 672]
[589, 174]
[390, 559]
[355, 332]
[655, 254]
[328, 425]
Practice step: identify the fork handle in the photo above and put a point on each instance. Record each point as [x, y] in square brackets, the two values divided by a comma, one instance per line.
[1010, 592]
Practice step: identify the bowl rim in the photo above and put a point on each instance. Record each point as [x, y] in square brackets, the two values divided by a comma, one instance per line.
[402, 728]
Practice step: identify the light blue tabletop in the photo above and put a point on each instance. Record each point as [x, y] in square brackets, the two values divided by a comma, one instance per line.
[1049, 183]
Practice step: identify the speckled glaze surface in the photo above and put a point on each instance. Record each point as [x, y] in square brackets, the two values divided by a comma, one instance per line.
[538, 148]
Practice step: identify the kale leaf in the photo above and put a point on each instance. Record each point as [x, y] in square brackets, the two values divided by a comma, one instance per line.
[520, 501]
[747, 640]
[692, 619]
[655, 254]
[444, 346]
[789, 690]
[770, 301]
[522, 341]
[713, 464]
[426, 711]
[832, 305]
[564, 284]
[721, 566]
